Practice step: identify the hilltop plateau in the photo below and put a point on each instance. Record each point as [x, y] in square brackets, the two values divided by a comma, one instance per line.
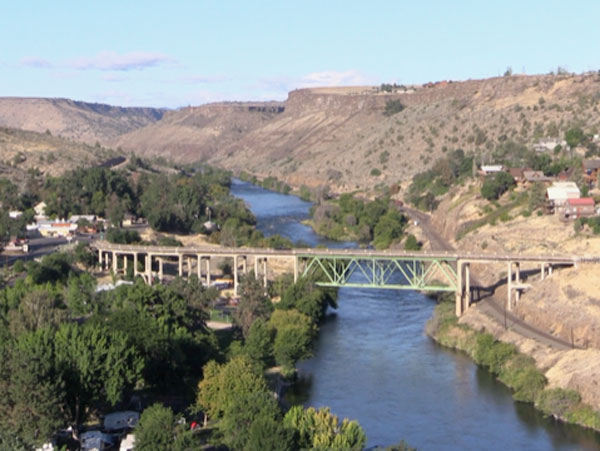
[81, 121]
[341, 136]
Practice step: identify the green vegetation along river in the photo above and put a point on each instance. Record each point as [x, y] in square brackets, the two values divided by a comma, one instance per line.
[373, 363]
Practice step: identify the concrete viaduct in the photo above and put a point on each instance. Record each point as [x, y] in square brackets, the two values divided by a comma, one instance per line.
[422, 271]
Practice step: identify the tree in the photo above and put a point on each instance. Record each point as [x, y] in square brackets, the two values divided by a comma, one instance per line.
[97, 365]
[223, 384]
[156, 429]
[293, 340]
[259, 343]
[411, 243]
[321, 429]
[38, 308]
[574, 137]
[254, 303]
[392, 107]
[309, 299]
[79, 293]
[496, 185]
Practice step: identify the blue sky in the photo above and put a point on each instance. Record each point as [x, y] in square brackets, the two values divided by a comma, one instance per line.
[170, 54]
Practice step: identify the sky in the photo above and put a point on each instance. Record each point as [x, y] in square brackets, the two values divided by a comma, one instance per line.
[180, 53]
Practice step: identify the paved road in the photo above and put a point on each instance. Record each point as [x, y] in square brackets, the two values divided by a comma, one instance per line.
[493, 305]
[39, 247]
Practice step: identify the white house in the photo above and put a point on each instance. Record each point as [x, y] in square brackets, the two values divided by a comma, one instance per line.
[40, 210]
[56, 228]
[559, 192]
[118, 421]
[491, 168]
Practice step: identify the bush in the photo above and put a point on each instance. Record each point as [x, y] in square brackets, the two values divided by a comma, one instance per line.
[521, 374]
[557, 401]
[375, 172]
[492, 353]
[411, 243]
[392, 107]
[120, 236]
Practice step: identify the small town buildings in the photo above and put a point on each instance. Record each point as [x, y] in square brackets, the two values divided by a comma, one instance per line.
[89, 218]
[577, 208]
[518, 174]
[560, 192]
[566, 175]
[15, 214]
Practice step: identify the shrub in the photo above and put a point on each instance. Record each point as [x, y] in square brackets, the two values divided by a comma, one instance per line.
[557, 401]
[496, 185]
[392, 107]
[521, 374]
[375, 172]
[492, 353]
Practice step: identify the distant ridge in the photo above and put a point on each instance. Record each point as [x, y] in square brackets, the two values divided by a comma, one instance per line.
[81, 121]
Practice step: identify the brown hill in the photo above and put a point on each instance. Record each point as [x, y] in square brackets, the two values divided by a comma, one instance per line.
[341, 137]
[86, 122]
[22, 151]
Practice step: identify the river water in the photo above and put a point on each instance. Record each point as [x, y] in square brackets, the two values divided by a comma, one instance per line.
[373, 363]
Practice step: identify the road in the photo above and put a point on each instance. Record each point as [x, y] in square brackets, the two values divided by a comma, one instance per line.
[38, 247]
[494, 305]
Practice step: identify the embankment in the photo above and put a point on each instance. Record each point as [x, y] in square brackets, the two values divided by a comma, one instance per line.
[563, 384]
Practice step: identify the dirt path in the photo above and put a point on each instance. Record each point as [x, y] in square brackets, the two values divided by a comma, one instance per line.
[492, 306]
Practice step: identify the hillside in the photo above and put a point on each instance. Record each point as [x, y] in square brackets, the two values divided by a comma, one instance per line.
[81, 121]
[199, 133]
[21, 151]
[340, 136]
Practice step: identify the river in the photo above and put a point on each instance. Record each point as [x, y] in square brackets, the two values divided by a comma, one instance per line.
[373, 363]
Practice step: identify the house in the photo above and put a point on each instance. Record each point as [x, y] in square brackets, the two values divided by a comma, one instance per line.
[96, 440]
[577, 208]
[15, 214]
[487, 169]
[565, 175]
[128, 443]
[536, 176]
[548, 144]
[89, 218]
[518, 174]
[560, 192]
[56, 228]
[590, 170]
[40, 210]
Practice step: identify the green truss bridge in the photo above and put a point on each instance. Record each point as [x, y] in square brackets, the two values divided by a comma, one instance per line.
[360, 268]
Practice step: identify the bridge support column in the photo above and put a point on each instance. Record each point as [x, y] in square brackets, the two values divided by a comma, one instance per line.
[100, 259]
[135, 264]
[265, 272]
[148, 268]
[295, 269]
[115, 262]
[459, 289]
[106, 265]
[235, 275]
[160, 269]
[199, 267]
[125, 258]
[467, 286]
[256, 266]
[189, 262]
[208, 271]
[518, 282]
[509, 287]
[180, 268]
[244, 265]
[550, 269]
[543, 271]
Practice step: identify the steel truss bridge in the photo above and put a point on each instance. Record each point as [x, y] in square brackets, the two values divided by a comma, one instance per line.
[360, 268]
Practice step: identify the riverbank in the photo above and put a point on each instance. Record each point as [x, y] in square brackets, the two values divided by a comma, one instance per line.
[519, 366]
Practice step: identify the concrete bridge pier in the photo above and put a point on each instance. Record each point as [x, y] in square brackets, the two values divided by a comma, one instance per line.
[180, 266]
[235, 275]
[135, 264]
[463, 287]
[148, 268]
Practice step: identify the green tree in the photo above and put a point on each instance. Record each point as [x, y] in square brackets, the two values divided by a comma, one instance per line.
[223, 384]
[254, 303]
[320, 429]
[156, 429]
[574, 137]
[411, 243]
[496, 185]
[97, 365]
[293, 340]
[259, 343]
[79, 293]
[32, 393]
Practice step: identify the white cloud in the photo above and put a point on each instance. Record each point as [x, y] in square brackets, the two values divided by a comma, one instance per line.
[113, 77]
[38, 63]
[121, 62]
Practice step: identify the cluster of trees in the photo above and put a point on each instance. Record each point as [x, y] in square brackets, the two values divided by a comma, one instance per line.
[68, 353]
[392, 107]
[378, 222]
[426, 186]
[497, 184]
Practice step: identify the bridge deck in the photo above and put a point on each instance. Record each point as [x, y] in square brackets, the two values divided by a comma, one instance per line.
[344, 253]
